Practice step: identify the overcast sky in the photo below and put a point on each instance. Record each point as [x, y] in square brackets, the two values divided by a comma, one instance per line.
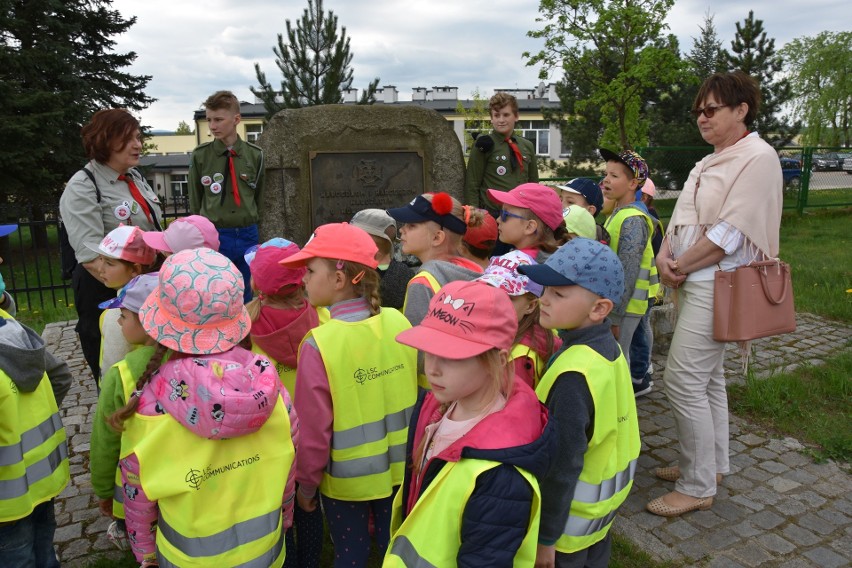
[192, 48]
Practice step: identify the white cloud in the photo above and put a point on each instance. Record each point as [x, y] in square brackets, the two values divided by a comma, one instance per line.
[193, 49]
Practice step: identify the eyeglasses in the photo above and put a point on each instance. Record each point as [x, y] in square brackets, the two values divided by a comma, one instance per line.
[505, 215]
[707, 111]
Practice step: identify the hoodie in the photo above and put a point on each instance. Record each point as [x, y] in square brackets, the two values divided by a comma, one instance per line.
[223, 386]
[25, 359]
[497, 513]
[419, 290]
[282, 344]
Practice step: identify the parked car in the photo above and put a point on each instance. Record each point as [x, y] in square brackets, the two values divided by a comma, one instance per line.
[791, 169]
[841, 158]
[827, 161]
[847, 165]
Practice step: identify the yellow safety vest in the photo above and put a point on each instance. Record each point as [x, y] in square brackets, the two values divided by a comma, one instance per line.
[430, 536]
[219, 500]
[33, 447]
[422, 382]
[373, 383]
[610, 460]
[648, 282]
[521, 350]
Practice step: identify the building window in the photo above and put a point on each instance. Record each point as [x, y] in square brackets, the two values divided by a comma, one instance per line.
[179, 185]
[537, 132]
[253, 132]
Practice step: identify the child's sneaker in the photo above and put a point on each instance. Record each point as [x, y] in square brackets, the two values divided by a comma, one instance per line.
[643, 387]
[117, 535]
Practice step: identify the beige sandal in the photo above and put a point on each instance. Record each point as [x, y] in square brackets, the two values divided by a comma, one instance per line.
[673, 474]
[659, 507]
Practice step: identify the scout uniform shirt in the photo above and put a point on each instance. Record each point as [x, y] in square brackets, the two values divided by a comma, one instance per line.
[495, 170]
[211, 183]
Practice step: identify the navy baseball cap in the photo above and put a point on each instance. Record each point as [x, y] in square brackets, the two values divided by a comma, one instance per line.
[7, 229]
[420, 210]
[586, 187]
[581, 262]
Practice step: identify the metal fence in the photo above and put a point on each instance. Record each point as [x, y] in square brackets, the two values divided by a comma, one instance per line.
[814, 176]
[31, 266]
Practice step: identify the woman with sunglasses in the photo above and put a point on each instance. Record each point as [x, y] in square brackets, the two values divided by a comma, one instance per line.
[728, 214]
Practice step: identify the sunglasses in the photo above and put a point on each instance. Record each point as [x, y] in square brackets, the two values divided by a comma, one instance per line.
[707, 111]
[505, 215]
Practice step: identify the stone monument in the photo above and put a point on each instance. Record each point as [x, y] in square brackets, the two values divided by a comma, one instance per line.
[325, 163]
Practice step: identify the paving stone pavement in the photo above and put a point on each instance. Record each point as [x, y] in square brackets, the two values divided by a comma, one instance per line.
[777, 508]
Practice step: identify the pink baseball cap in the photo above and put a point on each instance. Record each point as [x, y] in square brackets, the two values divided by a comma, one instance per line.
[197, 307]
[464, 319]
[184, 233]
[503, 273]
[649, 188]
[266, 271]
[337, 241]
[126, 242]
[540, 199]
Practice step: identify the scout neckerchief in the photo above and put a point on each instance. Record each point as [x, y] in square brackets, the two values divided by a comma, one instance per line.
[515, 151]
[137, 196]
[230, 153]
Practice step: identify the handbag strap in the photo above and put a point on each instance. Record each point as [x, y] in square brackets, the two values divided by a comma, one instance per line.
[761, 269]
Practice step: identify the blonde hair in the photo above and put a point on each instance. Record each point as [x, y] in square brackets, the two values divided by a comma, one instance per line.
[470, 216]
[117, 419]
[527, 326]
[549, 239]
[502, 383]
[363, 279]
[290, 297]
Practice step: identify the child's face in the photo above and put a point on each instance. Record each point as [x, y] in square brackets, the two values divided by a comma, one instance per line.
[517, 226]
[416, 238]
[223, 123]
[503, 120]
[619, 183]
[569, 199]
[524, 304]
[465, 380]
[566, 307]
[116, 273]
[319, 282]
[132, 330]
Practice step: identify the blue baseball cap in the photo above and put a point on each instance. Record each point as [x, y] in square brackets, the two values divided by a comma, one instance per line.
[586, 187]
[581, 262]
[7, 229]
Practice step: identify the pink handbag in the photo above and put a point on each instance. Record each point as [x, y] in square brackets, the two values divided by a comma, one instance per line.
[753, 301]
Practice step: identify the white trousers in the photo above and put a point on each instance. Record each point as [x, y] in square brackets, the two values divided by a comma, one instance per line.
[695, 386]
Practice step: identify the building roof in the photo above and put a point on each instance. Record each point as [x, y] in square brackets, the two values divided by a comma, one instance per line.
[165, 162]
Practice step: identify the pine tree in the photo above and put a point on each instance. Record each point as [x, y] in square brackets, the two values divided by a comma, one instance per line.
[707, 56]
[754, 54]
[315, 64]
[57, 67]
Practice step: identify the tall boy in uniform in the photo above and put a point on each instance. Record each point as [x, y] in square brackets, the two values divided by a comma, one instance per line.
[226, 181]
[499, 160]
[588, 391]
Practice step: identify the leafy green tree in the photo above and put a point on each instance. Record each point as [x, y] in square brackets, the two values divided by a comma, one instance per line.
[611, 50]
[315, 64]
[183, 128]
[476, 118]
[820, 70]
[57, 67]
[754, 54]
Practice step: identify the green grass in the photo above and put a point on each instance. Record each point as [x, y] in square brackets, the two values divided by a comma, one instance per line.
[812, 404]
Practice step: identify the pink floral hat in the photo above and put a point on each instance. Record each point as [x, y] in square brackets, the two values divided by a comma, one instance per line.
[197, 307]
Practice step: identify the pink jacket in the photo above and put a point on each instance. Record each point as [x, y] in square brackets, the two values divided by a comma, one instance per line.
[211, 382]
[535, 339]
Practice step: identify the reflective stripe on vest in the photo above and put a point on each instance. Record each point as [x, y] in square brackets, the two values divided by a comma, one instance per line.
[372, 381]
[610, 459]
[648, 281]
[403, 548]
[226, 540]
[430, 536]
[33, 447]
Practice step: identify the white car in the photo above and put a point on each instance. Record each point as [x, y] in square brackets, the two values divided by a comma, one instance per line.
[847, 166]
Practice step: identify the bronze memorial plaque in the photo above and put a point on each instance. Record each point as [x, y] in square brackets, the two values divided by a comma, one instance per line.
[343, 183]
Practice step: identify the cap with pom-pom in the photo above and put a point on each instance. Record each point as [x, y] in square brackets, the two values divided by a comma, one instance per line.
[439, 210]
